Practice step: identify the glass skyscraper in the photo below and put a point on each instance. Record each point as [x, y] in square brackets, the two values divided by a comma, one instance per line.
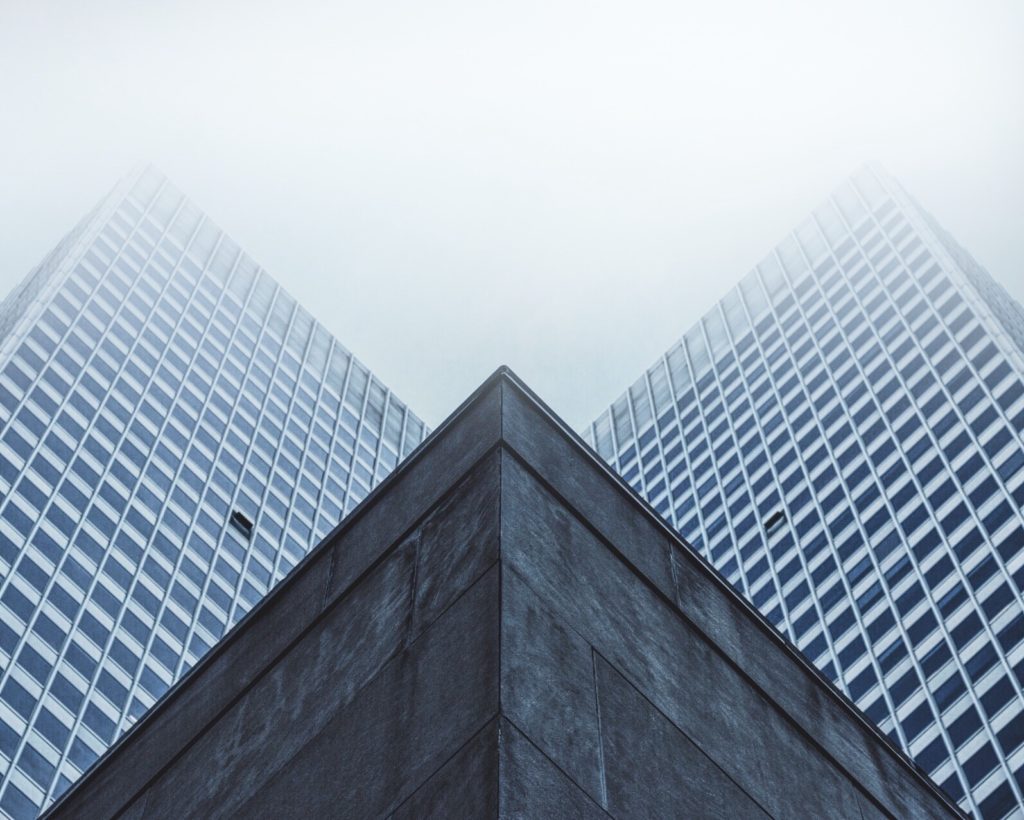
[842, 436]
[175, 434]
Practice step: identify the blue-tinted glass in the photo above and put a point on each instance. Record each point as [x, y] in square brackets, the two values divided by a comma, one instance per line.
[926, 352]
[130, 497]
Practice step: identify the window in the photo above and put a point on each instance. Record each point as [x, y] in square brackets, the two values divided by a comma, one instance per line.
[242, 523]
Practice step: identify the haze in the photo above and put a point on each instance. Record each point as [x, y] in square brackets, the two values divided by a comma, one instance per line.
[563, 187]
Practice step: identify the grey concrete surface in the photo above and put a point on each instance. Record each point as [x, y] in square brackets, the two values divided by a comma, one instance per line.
[502, 629]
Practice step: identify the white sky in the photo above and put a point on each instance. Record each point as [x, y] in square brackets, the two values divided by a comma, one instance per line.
[563, 187]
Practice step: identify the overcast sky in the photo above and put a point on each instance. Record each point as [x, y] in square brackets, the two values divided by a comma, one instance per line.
[563, 187]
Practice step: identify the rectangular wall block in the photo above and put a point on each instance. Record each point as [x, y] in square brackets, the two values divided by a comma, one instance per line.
[504, 635]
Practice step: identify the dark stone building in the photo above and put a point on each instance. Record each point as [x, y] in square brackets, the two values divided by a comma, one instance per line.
[503, 629]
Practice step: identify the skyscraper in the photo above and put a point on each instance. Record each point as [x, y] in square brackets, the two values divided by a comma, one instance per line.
[175, 434]
[842, 436]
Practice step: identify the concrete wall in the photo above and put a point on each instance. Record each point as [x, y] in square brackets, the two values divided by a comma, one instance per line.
[502, 629]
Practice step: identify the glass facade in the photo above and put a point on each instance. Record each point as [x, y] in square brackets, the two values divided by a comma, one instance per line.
[175, 434]
[842, 437]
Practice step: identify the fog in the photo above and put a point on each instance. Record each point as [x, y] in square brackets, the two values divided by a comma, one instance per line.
[563, 187]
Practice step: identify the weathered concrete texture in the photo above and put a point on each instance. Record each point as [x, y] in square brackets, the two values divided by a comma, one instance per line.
[502, 629]
[643, 748]
[465, 786]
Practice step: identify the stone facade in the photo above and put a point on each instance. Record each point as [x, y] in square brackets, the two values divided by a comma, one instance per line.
[503, 629]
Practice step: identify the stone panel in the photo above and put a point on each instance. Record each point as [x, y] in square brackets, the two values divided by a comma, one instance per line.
[547, 684]
[297, 697]
[652, 768]
[425, 704]
[532, 786]
[686, 677]
[584, 480]
[345, 648]
[465, 786]
[623, 519]
[452, 453]
[457, 541]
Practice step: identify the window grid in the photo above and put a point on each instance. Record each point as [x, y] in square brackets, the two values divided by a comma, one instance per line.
[128, 367]
[880, 343]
